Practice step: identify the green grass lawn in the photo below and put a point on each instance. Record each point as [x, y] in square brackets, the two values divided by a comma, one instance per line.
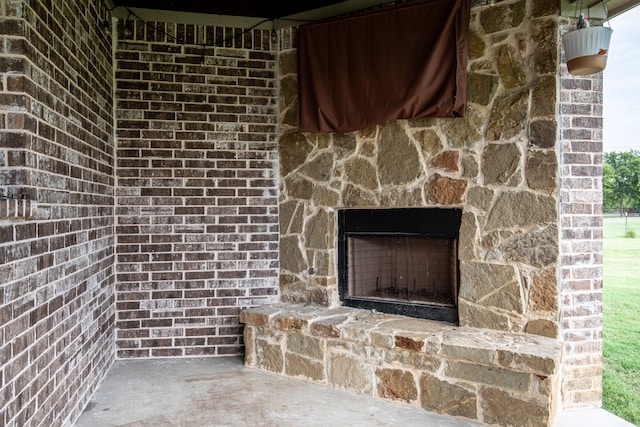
[621, 308]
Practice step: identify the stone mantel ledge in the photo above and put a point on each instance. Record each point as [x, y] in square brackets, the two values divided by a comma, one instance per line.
[488, 376]
[528, 353]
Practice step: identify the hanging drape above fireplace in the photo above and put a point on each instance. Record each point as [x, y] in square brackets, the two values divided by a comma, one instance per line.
[398, 62]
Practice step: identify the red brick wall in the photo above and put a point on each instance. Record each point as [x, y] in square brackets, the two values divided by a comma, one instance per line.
[56, 260]
[197, 215]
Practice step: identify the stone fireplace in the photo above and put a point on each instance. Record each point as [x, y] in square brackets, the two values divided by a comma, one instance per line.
[400, 261]
[502, 169]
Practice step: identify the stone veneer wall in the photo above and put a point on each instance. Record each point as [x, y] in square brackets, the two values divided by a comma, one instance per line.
[581, 237]
[197, 214]
[56, 259]
[499, 164]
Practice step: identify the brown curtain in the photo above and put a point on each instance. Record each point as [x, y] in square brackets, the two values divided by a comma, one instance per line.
[398, 62]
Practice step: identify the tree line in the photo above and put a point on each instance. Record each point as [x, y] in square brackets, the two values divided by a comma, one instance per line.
[621, 182]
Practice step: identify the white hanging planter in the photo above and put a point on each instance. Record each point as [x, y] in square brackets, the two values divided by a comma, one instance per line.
[586, 49]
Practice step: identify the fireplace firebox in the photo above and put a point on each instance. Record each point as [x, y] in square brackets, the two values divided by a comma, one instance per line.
[400, 261]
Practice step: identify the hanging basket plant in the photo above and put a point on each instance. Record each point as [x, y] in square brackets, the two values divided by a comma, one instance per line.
[586, 48]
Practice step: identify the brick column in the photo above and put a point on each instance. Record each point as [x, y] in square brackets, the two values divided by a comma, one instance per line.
[581, 238]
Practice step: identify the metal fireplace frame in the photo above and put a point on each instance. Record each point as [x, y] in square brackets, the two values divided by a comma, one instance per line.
[437, 223]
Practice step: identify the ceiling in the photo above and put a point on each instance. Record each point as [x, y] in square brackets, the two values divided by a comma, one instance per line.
[291, 12]
[248, 8]
[597, 8]
[241, 12]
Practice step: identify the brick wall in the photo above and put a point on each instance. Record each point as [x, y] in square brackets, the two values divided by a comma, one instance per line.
[581, 237]
[56, 258]
[197, 214]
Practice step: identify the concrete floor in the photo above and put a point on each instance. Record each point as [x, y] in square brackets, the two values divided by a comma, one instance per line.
[222, 392]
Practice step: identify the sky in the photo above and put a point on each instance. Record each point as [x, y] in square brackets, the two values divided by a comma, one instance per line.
[621, 111]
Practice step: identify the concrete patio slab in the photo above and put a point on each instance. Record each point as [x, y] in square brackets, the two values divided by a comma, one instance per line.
[221, 392]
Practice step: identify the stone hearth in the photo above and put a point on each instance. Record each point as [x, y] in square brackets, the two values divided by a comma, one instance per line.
[486, 376]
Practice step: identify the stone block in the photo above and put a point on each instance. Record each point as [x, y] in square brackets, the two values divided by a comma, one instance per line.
[306, 345]
[507, 118]
[258, 316]
[482, 88]
[447, 161]
[299, 366]
[291, 257]
[490, 375]
[503, 408]
[361, 172]
[447, 398]
[442, 190]
[349, 373]
[290, 322]
[503, 17]
[543, 327]
[327, 328]
[470, 348]
[398, 160]
[356, 331]
[500, 163]
[414, 343]
[471, 314]
[413, 360]
[382, 337]
[249, 346]
[541, 170]
[269, 356]
[293, 149]
[396, 384]
[521, 210]
[536, 248]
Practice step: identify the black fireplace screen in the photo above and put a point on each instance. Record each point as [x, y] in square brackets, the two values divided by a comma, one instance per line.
[401, 261]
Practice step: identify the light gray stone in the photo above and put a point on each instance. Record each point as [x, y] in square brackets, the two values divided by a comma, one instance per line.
[541, 170]
[429, 141]
[305, 346]
[398, 161]
[508, 115]
[464, 132]
[500, 163]
[362, 173]
[481, 88]
[504, 378]
[293, 148]
[298, 366]
[349, 373]
[520, 210]
[544, 34]
[291, 257]
[480, 197]
[538, 248]
[319, 168]
[401, 197]
[510, 67]
[319, 231]
[503, 16]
